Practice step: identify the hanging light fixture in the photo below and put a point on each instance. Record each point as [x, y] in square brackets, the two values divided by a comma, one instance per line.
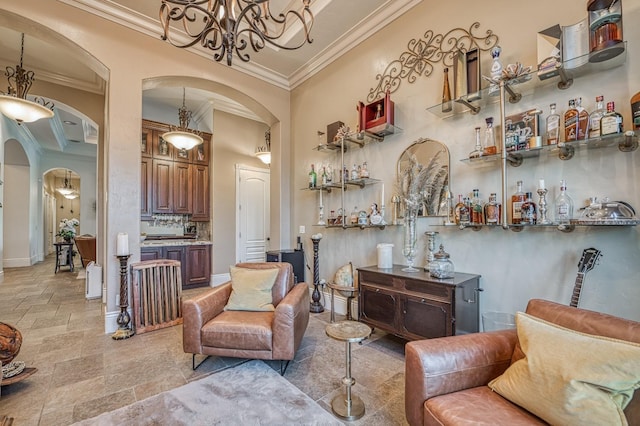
[15, 104]
[264, 152]
[181, 136]
[67, 188]
[228, 26]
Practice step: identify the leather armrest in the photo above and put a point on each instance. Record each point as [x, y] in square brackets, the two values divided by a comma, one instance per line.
[290, 322]
[197, 311]
[450, 364]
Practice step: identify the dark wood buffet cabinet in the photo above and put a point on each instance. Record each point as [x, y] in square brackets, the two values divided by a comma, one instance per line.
[173, 181]
[414, 305]
[195, 261]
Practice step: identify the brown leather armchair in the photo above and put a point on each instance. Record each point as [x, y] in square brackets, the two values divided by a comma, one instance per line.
[210, 330]
[86, 245]
[446, 378]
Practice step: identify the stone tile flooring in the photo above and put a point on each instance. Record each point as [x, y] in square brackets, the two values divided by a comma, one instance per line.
[83, 372]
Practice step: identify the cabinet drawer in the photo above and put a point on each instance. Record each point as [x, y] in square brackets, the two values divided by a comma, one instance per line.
[428, 288]
[373, 278]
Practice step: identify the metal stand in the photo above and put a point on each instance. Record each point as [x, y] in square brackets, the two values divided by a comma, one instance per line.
[316, 306]
[124, 328]
[542, 207]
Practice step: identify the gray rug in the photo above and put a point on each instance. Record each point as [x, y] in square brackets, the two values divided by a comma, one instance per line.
[249, 394]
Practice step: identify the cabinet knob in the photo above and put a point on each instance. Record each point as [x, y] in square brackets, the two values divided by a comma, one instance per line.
[377, 290]
[422, 300]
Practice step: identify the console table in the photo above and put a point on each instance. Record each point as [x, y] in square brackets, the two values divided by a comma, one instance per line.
[64, 258]
[414, 305]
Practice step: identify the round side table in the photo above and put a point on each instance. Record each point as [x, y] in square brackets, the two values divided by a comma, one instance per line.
[348, 406]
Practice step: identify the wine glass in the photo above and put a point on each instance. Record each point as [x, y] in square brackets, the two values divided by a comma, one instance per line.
[409, 247]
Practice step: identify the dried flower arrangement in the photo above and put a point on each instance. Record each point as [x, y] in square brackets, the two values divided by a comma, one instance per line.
[423, 186]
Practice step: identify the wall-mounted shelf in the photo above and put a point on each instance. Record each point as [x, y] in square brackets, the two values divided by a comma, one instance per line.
[575, 223]
[359, 139]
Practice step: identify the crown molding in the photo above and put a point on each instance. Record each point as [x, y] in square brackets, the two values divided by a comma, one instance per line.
[382, 16]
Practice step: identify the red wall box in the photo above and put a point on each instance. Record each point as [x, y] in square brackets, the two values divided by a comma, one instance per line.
[373, 122]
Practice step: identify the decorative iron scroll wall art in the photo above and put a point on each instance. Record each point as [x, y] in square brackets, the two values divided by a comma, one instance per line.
[422, 54]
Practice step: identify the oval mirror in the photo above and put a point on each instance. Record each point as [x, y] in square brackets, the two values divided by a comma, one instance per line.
[423, 170]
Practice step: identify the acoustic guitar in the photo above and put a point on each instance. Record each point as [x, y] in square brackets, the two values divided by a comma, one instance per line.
[587, 262]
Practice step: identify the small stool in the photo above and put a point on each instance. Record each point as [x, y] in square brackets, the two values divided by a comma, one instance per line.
[348, 407]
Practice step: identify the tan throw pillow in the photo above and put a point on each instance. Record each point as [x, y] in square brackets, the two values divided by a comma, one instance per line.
[568, 377]
[251, 289]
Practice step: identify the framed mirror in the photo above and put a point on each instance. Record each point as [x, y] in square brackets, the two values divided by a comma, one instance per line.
[423, 171]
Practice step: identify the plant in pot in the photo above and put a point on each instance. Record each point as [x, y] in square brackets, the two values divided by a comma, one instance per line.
[67, 229]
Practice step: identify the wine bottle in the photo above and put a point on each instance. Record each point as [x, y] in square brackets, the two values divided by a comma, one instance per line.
[446, 93]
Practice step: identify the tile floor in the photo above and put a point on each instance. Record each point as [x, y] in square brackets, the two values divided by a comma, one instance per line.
[83, 372]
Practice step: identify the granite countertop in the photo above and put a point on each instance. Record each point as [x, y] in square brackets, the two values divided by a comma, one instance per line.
[174, 242]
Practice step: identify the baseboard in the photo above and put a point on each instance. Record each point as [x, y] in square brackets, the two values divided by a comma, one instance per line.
[17, 262]
[219, 279]
[111, 321]
[339, 300]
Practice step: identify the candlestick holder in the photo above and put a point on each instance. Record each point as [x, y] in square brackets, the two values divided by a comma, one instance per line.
[316, 307]
[431, 247]
[542, 207]
[321, 220]
[124, 327]
[383, 222]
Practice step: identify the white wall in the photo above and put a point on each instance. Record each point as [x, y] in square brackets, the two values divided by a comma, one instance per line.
[515, 267]
[16, 216]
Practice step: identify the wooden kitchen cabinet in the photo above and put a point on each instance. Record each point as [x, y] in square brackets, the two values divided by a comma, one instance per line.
[200, 174]
[417, 306]
[182, 188]
[146, 188]
[162, 183]
[195, 261]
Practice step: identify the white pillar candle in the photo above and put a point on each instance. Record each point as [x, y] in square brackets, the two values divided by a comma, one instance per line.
[382, 196]
[321, 198]
[122, 244]
[541, 184]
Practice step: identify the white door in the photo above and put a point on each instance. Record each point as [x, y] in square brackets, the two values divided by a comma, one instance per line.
[252, 213]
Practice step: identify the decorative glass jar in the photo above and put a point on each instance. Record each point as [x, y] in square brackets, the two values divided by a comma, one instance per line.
[441, 266]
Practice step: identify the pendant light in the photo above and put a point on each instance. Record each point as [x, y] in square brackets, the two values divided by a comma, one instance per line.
[66, 188]
[264, 152]
[180, 136]
[15, 104]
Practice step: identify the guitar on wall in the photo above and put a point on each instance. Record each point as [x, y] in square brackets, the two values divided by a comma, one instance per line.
[587, 262]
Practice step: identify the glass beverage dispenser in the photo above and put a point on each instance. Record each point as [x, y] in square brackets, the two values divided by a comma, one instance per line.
[605, 29]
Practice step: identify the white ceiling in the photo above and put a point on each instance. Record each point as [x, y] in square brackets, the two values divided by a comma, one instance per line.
[339, 26]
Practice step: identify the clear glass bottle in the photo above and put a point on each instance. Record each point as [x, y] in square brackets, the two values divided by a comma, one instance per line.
[458, 209]
[511, 137]
[563, 206]
[611, 122]
[553, 126]
[465, 212]
[353, 217]
[313, 177]
[477, 208]
[489, 138]
[354, 172]
[635, 111]
[528, 210]
[478, 151]
[583, 120]
[492, 210]
[364, 172]
[323, 176]
[329, 173]
[571, 122]
[496, 70]
[516, 204]
[595, 117]
[447, 105]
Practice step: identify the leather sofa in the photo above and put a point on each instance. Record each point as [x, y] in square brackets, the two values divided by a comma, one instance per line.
[210, 330]
[446, 378]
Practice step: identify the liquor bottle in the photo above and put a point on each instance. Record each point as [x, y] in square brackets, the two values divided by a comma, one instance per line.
[583, 120]
[553, 126]
[312, 177]
[354, 172]
[595, 117]
[465, 212]
[492, 210]
[329, 174]
[353, 218]
[496, 70]
[446, 93]
[477, 210]
[364, 172]
[323, 178]
[511, 137]
[563, 206]
[571, 122]
[489, 138]
[611, 122]
[478, 151]
[635, 111]
[516, 203]
[528, 210]
[457, 209]
[345, 174]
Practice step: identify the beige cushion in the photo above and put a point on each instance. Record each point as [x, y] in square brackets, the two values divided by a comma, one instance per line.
[568, 377]
[251, 289]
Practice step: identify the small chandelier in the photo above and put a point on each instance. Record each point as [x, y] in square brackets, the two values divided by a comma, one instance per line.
[180, 136]
[67, 188]
[264, 152]
[14, 103]
[225, 26]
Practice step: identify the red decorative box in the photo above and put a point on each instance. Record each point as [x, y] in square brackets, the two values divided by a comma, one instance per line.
[377, 117]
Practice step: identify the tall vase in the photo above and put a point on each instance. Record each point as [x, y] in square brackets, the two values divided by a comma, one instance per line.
[410, 238]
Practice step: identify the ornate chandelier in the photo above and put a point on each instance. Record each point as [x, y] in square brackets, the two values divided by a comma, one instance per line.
[14, 103]
[67, 188]
[264, 152]
[180, 136]
[225, 26]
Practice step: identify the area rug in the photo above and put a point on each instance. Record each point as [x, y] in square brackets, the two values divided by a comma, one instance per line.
[249, 394]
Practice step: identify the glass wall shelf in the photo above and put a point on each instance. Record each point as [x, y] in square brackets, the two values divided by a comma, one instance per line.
[359, 139]
[580, 223]
[361, 183]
